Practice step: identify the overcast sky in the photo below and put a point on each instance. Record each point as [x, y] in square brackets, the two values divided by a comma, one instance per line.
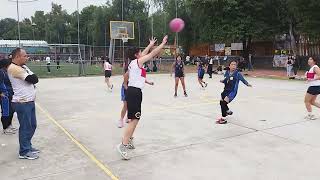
[8, 9]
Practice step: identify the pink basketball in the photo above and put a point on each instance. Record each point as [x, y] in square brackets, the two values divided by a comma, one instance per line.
[176, 25]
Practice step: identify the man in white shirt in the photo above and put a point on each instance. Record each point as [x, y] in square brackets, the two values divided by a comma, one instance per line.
[188, 59]
[48, 61]
[23, 82]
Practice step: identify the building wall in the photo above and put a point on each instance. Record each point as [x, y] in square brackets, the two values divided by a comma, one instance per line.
[201, 50]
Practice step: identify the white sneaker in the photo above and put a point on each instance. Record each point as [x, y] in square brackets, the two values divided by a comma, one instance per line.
[130, 144]
[123, 151]
[13, 128]
[311, 117]
[8, 131]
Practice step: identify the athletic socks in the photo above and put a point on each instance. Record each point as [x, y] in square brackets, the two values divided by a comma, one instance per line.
[120, 123]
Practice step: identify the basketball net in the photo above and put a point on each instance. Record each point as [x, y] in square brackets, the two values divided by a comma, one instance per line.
[124, 37]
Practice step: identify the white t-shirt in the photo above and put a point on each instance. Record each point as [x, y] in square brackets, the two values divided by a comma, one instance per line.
[188, 58]
[211, 61]
[137, 75]
[315, 82]
[107, 66]
[23, 90]
[48, 60]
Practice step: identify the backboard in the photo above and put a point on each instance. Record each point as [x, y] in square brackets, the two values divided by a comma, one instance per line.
[121, 30]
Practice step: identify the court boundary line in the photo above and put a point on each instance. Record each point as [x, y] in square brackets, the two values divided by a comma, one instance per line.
[85, 150]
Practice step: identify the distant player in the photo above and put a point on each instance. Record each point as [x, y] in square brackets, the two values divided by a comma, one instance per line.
[201, 73]
[231, 85]
[178, 68]
[107, 73]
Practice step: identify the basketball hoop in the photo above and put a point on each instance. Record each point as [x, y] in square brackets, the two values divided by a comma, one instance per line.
[124, 37]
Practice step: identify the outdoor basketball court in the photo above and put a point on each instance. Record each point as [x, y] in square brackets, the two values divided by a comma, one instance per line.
[267, 138]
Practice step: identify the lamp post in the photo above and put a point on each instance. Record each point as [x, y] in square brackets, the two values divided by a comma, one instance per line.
[177, 36]
[18, 15]
[33, 26]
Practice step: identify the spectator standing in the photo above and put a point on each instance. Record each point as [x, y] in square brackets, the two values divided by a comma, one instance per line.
[23, 82]
[48, 62]
[58, 62]
[6, 94]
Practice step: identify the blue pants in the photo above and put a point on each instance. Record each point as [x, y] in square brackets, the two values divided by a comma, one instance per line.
[6, 112]
[26, 113]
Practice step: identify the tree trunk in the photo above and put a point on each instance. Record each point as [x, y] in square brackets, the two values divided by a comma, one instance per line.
[293, 43]
[247, 43]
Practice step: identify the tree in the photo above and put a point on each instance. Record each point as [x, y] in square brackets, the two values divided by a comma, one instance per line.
[56, 23]
[39, 25]
[302, 18]
[135, 11]
[8, 29]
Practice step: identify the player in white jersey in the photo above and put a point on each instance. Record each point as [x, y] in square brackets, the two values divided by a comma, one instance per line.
[137, 78]
[313, 79]
[107, 73]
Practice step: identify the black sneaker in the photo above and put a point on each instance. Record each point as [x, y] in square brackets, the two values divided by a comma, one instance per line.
[175, 95]
[185, 94]
[229, 113]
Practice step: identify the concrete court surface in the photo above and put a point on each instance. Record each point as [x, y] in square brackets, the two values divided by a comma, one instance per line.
[267, 137]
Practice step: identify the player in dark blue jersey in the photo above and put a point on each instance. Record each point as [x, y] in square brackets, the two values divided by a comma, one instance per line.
[231, 85]
[201, 73]
[178, 68]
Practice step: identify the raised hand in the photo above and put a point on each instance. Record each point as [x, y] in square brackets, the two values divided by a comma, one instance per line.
[152, 41]
[165, 39]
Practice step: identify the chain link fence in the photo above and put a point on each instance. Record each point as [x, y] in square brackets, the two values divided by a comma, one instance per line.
[65, 61]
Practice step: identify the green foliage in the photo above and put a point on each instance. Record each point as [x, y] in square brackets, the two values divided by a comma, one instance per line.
[206, 21]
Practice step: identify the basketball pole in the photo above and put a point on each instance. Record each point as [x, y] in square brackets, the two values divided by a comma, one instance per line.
[81, 67]
[177, 35]
[122, 39]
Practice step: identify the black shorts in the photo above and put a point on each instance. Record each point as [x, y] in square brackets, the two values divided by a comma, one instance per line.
[107, 73]
[314, 90]
[134, 100]
[179, 74]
